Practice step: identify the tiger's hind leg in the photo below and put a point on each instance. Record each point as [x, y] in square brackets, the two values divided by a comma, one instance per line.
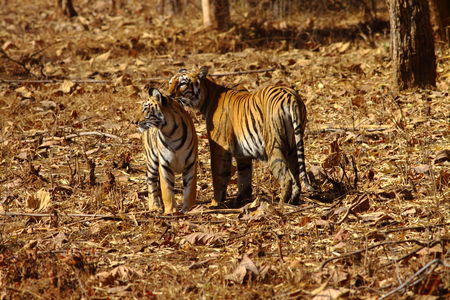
[244, 180]
[279, 167]
[167, 180]
[294, 171]
[221, 172]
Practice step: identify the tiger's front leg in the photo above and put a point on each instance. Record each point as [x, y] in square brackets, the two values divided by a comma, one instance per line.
[221, 171]
[167, 180]
[244, 180]
[190, 186]
[154, 191]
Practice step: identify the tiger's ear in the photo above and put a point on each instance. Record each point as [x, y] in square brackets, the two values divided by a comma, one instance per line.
[152, 92]
[203, 72]
[159, 98]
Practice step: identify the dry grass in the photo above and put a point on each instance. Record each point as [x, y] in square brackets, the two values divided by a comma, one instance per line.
[74, 231]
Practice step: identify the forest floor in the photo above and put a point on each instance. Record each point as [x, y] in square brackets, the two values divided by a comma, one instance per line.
[74, 222]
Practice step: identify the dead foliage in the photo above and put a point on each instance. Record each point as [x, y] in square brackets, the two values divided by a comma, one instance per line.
[74, 222]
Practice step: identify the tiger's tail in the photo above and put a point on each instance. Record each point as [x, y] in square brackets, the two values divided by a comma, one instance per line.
[298, 116]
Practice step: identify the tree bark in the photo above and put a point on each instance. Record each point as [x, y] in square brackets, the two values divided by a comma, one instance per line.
[412, 44]
[66, 7]
[440, 9]
[222, 14]
[206, 13]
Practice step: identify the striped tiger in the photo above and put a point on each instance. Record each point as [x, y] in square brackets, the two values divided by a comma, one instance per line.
[267, 125]
[170, 144]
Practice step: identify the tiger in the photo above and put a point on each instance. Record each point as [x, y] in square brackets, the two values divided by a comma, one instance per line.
[170, 144]
[267, 125]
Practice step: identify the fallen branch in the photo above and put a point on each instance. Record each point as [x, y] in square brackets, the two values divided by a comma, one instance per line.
[414, 228]
[434, 262]
[109, 81]
[119, 216]
[243, 72]
[430, 244]
[80, 134]
[20, 214]
[53, 81]
[216, 211]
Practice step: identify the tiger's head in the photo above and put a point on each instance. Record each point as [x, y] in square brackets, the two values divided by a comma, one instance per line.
[187, 87]
[152, 113]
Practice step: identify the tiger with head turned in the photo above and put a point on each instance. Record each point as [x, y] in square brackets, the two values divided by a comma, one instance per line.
[170, 144]
[267, 125]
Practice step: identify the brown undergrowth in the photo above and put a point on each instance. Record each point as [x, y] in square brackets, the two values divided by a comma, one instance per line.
[73, 219]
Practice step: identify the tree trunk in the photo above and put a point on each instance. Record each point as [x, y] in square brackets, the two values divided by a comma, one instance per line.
[440, 9]
[412, 44]
[66, 7]
[206, 13]
[222, 14]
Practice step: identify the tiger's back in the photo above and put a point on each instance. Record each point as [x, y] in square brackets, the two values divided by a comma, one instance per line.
[170, 145]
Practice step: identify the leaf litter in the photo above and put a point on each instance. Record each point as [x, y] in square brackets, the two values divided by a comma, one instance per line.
[74, 219]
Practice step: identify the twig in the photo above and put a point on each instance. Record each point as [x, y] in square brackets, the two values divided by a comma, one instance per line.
[97, 216]
[53, 80]
[25, 291]
[434, 262]
[350, 209]
[403, 257]
[374, 246]
[39, 51]
[395, 262]
[355, 170]
[164, 232]
[82, 221]
[129, 123]
[151, 79]
[216, 211]
[400, 122]
[300, 209]
[244, 72]
[82, 287]
[71, 136]
[20, 214]
[108, 81]
[414, 228]
[200, 264]
[280, 254]
[15, 61]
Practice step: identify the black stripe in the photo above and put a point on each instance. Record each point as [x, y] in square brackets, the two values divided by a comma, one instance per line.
[183, 137]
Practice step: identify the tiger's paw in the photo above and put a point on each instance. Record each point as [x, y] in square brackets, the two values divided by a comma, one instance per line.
[243, 197]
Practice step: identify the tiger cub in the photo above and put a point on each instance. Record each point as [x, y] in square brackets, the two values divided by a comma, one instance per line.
[267, 125]
[170, 144]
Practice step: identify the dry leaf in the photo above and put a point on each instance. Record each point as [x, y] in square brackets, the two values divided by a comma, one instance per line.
[103, 57]
[245, 267]
[363, 205]
[67, 86]
[125, 273]
[328, 294]
[441, 156]
[422, 169]
[39, 201]
[200, 238]
[342, 235]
